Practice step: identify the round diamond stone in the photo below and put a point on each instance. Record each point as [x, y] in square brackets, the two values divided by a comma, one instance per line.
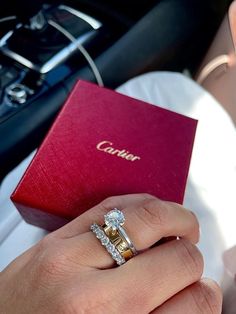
[120, 261]
[110, 247]
[115, 254]
[99, 234]
[105, 241]
[94, 227]
[114, 218]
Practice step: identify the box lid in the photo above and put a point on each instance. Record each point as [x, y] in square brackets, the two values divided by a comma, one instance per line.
[102, 144]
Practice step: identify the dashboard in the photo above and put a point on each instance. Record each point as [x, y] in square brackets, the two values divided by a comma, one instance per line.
[45, 47]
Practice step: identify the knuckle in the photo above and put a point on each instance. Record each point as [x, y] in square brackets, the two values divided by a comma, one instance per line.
[154, 213]
[147, 196]
[207, 297]
[49, 266]
[46, 270]
[109, 202]
[47, 243]
[51, 260]
[44, 244]
[191, 259]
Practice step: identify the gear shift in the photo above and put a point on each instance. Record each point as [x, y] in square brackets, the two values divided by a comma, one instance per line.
[38, 22]
[36, 55]
[39, 46]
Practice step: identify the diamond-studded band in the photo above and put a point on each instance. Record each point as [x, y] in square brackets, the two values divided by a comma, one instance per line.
[105, 241]
[114, 237]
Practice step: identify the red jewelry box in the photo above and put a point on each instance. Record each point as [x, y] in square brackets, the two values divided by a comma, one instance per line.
[102, 144]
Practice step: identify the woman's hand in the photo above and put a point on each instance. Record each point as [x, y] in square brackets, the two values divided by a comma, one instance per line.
[70, 272]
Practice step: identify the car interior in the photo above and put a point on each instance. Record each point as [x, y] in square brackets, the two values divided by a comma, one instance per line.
[45, 47]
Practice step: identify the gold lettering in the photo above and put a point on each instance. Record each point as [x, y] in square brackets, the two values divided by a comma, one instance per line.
[123, 155]
[109, 150]
[129, 157]
[101, 144]
[116, 152]
[122, 247]
[106, 146]
[123, 151]
[135, 158]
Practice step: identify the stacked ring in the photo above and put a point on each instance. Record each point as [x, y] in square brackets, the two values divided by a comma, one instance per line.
[114, 237]
[105, 241]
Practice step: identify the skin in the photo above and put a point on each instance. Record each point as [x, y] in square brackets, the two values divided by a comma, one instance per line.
[69, 272]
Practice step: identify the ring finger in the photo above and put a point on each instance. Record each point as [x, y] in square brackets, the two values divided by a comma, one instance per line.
[147, 221]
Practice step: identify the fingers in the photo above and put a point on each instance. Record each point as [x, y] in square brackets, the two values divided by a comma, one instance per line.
[153, 277]
[88, 251]
[148, 219]
[203, 297]
[158, 217]
[154, 219]
[83, 222]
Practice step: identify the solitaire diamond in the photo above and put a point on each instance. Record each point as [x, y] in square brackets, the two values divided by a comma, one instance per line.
[114, 219]
[113, 236]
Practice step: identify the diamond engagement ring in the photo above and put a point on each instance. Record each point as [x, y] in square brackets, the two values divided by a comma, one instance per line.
[114, 237]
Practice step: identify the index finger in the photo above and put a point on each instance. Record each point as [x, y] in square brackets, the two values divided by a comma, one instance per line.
[82, 223]
[153, 218]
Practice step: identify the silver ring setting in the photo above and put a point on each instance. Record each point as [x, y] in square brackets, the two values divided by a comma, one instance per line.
[114, 237]
[127, 239]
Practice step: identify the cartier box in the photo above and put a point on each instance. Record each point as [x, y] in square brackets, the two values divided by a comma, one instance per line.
[102, 144]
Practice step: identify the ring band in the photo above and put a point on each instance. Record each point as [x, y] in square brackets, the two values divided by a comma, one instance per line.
[105, 241]
[127, 239]
[114, 237]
